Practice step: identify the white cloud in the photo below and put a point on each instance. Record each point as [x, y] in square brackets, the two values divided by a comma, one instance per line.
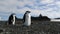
[47, 1]
[58, 3]
[45, 7]
[7, 5]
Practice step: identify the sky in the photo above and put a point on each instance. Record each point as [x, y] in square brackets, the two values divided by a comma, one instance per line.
[50, 8]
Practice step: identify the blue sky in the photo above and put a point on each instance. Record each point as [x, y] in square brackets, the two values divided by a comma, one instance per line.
[50, 8]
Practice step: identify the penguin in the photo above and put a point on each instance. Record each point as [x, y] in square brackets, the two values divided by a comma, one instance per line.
[27, 18]
[11, 19]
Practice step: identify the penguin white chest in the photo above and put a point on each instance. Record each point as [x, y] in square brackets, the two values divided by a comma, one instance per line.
[13, 19]
[27, 19]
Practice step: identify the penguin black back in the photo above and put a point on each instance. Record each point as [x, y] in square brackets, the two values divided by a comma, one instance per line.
[10, 18]
[24, 17]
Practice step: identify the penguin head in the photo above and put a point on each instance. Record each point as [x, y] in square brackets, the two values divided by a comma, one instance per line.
[13, 14]
[28, 12]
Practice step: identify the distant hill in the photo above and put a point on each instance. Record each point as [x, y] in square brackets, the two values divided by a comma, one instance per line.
[41, 18]
[57, 18]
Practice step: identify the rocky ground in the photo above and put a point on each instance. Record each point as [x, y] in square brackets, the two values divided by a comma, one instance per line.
[37, 27]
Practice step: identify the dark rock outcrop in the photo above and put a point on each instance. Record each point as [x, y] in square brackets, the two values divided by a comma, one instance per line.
[57, 18]
[41, 18]
[44, 18]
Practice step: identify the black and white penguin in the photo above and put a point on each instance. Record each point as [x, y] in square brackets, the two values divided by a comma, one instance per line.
[11, 19]
[27, 18]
